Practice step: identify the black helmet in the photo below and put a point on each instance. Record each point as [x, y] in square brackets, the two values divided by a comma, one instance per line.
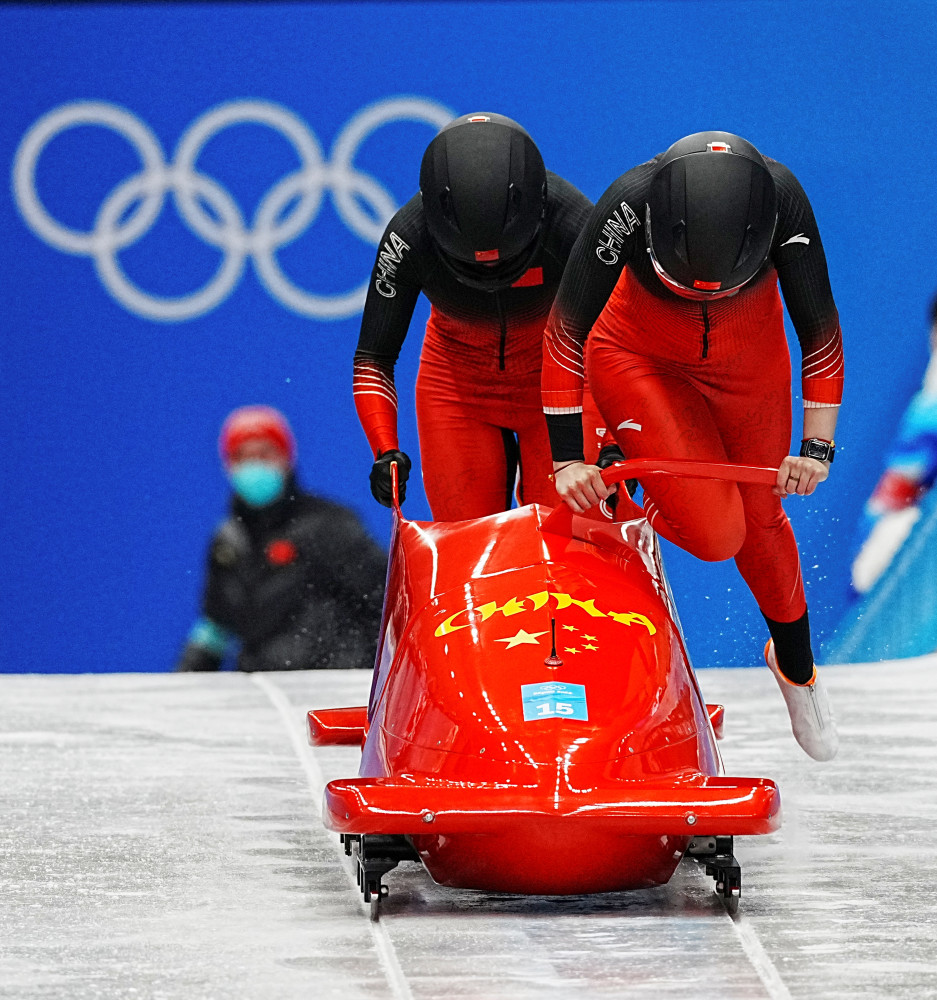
[711, 213]
[484, 191]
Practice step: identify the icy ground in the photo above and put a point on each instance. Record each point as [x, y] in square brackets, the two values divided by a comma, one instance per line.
[160, 838]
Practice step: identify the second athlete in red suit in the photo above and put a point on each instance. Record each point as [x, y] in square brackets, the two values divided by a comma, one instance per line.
[486, 241]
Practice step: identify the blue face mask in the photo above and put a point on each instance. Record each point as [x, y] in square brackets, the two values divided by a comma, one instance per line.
[257, 483]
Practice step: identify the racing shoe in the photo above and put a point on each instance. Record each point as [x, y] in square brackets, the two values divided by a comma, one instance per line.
[809, 707]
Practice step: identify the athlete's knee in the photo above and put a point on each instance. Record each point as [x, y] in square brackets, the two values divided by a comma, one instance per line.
[718, 545]
[719, 529]
[708, 522]
[712, 537]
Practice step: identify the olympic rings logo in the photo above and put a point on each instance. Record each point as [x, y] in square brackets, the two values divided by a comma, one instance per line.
[285, 211]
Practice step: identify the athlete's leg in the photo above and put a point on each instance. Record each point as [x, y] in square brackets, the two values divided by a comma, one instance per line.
[469, 464]
[770, 564]
[657, 413]
[754, 417]
[768, 560]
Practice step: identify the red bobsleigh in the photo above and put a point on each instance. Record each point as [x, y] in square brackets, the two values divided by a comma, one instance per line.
[534, 724]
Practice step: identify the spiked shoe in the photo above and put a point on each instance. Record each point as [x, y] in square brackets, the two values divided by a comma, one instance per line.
[809, 708]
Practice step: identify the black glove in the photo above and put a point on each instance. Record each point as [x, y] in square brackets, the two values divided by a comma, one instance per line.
[609, 455]
[196, 657]
[380, 477]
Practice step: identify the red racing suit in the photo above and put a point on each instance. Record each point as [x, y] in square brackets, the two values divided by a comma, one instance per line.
[710, 380]
[479, 414]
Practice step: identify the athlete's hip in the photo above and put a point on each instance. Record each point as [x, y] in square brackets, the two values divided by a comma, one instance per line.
[485, 348]
[447, 377]
[515, 408]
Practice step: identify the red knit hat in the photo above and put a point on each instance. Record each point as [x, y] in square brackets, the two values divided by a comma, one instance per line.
[251, 423]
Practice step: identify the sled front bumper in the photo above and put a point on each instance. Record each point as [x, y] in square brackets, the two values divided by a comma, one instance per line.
[714, 806]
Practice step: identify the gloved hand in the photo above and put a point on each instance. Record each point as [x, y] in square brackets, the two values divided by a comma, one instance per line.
[609, 455]
[380, 477]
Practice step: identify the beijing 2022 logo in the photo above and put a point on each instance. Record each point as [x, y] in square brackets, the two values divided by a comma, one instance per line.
[284, 212]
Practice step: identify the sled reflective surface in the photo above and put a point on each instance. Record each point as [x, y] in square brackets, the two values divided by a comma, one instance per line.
[534, 724]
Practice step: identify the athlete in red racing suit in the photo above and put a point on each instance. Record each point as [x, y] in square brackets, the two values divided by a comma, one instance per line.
[486, 241]
[686, 357]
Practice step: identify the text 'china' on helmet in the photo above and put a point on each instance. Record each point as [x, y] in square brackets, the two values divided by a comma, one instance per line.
[483, 185]
[712, 211]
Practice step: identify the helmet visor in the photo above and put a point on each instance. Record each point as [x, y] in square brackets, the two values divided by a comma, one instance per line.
[699, 294]
[495, 276]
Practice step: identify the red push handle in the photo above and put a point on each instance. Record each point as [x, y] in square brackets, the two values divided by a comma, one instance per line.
[634, 468]
[560, 519]
[395, 488]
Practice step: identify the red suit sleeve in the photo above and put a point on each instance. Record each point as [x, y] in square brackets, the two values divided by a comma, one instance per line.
[604, 246]
[376, 403]
[562, 372]
[822, 370]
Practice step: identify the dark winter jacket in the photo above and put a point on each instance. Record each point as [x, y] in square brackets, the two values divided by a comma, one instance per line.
[299, 582]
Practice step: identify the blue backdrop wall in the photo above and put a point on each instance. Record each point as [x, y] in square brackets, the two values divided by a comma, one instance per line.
[134, 319]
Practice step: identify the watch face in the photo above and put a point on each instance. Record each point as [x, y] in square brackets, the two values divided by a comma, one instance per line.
[818, 450]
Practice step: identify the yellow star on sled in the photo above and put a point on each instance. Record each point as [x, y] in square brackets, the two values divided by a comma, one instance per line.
[522, 638]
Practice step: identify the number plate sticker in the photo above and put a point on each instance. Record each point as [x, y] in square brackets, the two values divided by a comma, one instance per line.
[554, 700]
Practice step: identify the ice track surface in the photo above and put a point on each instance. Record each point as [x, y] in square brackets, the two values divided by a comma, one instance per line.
[160, 838]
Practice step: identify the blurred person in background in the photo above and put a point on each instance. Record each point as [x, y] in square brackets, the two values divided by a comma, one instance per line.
[294, 579]
[486, 240]
[910, 470]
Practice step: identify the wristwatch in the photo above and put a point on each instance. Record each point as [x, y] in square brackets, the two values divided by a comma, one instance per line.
[817, 448]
